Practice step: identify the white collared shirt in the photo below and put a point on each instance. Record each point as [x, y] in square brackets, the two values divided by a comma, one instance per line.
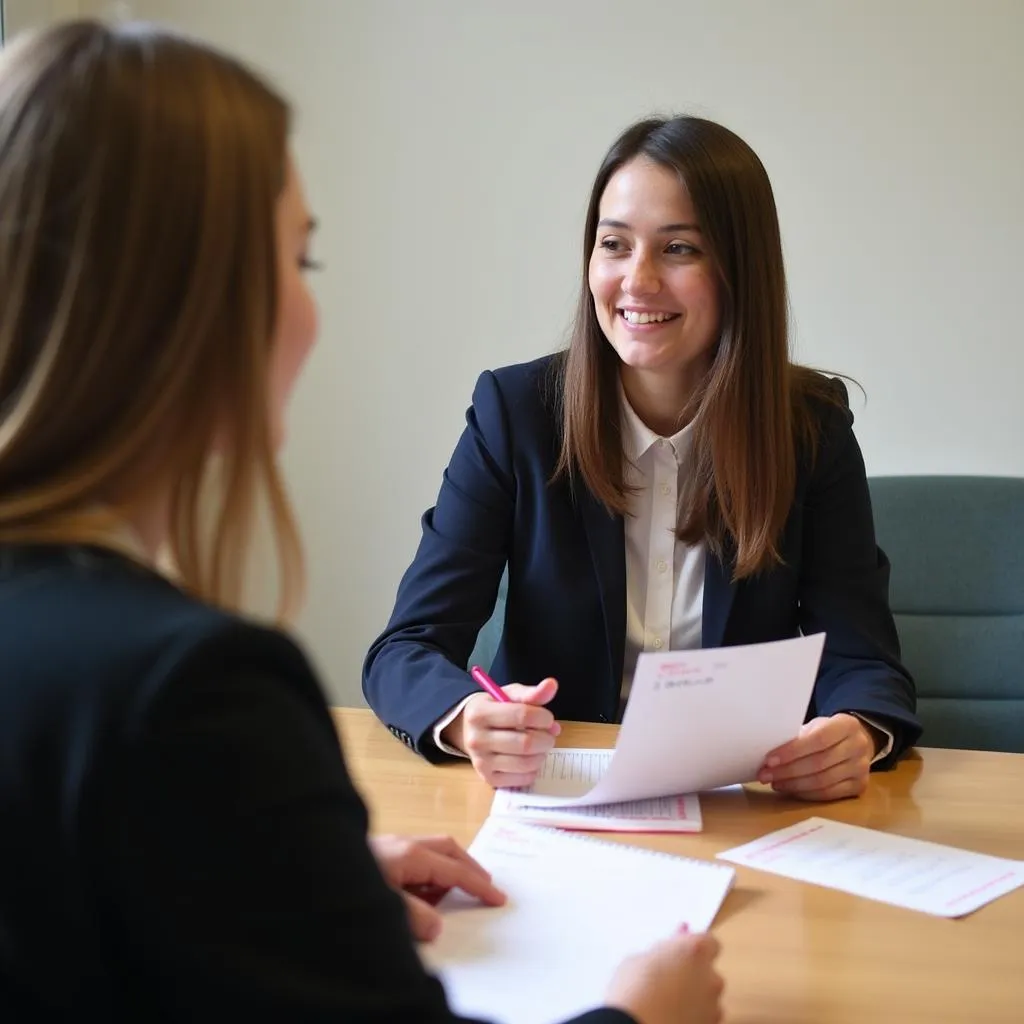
[664, 576]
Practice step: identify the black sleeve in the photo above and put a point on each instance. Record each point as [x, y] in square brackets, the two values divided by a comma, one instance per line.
[243, 885]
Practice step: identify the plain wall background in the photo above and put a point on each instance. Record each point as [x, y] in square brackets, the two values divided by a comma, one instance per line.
[448, 147]
[22, 14]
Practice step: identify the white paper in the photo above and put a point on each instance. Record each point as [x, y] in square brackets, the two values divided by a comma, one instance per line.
[910, 873]
[658, 814]
[697, 720]
[577, 906]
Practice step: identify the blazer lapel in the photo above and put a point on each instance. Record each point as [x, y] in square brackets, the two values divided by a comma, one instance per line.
[606, 538]
[719, 590]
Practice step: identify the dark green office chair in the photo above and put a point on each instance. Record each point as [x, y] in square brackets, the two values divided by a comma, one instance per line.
[956, 544]
[489, 637]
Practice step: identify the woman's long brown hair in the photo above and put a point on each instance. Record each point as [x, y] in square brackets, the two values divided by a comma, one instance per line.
[753, 414]
[139, 178]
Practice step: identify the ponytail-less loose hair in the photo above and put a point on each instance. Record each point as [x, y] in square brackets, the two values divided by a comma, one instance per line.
[139, 178]
[752, 411]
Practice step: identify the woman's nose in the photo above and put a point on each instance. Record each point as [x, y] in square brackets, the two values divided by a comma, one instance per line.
[641, 277]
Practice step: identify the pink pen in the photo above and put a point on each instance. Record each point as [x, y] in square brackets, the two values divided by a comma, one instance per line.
[487, 683]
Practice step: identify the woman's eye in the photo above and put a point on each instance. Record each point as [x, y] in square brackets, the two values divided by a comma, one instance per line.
[680, 249]
[611, 245]
[305, 263]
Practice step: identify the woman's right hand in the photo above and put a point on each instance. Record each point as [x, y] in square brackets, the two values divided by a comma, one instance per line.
[507, 743]
[675, 982]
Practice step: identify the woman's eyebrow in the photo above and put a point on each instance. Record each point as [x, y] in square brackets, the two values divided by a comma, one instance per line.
[665, 229]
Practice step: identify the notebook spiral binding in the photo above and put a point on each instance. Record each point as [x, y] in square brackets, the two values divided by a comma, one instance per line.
[576, 837]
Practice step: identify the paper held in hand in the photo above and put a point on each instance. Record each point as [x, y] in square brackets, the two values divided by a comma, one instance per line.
[697, 720]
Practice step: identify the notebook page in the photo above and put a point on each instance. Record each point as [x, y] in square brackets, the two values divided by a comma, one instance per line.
[910, 873]
[577, 906]
[565, 764]
[697, 720]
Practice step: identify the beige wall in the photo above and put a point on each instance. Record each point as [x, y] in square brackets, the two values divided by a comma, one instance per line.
[448, 147]
[23, 14]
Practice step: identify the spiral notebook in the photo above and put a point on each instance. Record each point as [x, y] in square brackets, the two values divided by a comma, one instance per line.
[577, 906]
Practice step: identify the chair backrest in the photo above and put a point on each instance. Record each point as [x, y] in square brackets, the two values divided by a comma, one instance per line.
[956, 544]
[489, 637]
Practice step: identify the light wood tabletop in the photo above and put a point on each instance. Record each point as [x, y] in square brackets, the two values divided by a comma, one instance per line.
[793, 953]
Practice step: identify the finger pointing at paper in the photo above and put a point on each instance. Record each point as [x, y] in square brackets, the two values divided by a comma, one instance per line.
[427, 867]
[828, 760]
[507, 741]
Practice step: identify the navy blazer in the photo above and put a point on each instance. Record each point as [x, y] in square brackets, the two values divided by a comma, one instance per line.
[566, 610]
[179, 837]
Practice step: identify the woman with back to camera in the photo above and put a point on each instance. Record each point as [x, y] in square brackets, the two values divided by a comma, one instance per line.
[181, 840]
[670, 481]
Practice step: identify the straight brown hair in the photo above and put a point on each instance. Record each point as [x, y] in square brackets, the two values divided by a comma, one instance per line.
[754, 411]
[139, 178]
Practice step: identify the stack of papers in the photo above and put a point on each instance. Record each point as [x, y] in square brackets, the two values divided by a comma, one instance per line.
[657, 814]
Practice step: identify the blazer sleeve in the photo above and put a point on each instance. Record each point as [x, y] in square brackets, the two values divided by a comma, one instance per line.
[844, 591]
[243, 885]
[415, 671]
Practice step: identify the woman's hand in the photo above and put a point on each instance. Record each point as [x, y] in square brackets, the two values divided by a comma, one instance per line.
[675, 982]
[424, 869]
[829, 760]
[507, 743]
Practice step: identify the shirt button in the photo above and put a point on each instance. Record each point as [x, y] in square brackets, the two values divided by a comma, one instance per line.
[662, 565]
[665, 489]
[657, 643]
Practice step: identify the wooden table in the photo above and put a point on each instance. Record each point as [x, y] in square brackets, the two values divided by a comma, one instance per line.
[794, 953]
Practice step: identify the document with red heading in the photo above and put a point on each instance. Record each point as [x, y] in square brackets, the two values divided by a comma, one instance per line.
[695, 720]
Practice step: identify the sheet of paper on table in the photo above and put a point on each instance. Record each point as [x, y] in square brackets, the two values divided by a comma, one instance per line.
[910, 873]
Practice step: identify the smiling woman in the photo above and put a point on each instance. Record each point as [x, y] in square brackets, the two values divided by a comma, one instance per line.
[682, 221]
[672, 480]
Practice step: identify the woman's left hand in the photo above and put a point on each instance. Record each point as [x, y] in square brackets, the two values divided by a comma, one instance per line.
[424, 869]
[829, 760]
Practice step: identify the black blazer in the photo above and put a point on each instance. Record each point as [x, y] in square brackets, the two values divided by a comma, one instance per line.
[179, 838]
[566, 610]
